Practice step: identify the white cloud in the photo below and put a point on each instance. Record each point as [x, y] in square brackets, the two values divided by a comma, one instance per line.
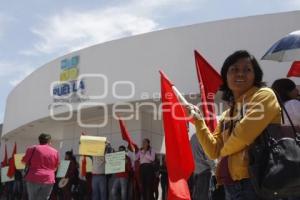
[14, 72]
[294, 3]
[72, 30]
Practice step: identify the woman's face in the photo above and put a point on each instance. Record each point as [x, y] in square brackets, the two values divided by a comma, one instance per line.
[240, 77]
[294, 94]
[145, 144]
[67, 157]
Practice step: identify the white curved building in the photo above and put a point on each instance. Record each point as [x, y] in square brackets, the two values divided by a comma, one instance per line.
[126, 70]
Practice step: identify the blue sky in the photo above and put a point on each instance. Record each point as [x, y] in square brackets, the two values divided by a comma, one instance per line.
[34, 32]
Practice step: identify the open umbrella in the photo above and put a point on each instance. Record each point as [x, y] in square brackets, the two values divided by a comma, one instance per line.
[286, 49]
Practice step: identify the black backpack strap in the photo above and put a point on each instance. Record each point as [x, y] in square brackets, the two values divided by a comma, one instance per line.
[286, 112]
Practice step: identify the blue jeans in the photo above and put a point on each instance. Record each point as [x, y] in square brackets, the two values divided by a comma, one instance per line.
[240, 190]
[99, 187]
[119, 183]
[38, 191]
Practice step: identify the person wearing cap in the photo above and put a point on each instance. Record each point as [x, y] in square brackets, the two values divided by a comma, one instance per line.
[42, 161]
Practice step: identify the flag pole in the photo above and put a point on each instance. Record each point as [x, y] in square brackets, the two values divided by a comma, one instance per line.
[186, 103]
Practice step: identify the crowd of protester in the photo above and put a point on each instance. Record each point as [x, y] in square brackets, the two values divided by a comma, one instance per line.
[144, 172]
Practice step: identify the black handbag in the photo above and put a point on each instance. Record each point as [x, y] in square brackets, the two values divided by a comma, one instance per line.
[274, 160]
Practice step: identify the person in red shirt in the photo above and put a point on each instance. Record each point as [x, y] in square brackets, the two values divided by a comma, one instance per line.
[42, 161]
[121, 179]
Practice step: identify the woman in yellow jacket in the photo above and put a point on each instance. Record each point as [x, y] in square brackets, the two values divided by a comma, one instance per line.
[252, 108]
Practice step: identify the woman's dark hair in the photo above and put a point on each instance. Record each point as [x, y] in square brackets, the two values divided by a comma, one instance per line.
[122, 148]
[70, 155]
[283, 87]
[44, 138]
[232, 59]
[148, 141]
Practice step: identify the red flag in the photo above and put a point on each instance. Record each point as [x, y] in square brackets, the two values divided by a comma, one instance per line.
[83, 166]
[126, 136]
[209, 83]
[83, 163]
[294, 70]
[12, 167]
[178, 190]
[5, 160]
[179, 157]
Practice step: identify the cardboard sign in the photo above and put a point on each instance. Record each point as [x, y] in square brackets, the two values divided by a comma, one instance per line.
[62, 169]
[115, 162]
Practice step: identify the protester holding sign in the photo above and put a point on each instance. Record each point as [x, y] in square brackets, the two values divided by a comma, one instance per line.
[121, 180]
[43, 160]
[99, 182]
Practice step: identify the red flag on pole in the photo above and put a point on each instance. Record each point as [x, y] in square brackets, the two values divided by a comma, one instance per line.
[126, 136]
[12, 167]
[209, 83]
[179, 158]
[83, 163]
[5, 159]
[294, 70]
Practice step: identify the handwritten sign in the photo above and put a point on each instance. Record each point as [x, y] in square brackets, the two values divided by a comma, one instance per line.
[92, 145]
[62, 169]
[115, 162]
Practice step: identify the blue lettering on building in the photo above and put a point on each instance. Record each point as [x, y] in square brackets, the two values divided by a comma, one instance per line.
[65, 89]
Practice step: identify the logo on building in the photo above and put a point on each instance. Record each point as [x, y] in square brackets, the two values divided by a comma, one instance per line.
[68, 88]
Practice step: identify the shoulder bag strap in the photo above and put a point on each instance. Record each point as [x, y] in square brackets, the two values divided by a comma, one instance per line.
[286, 112]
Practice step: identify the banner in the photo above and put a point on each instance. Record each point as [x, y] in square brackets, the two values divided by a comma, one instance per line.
[92, 145]
[18, 161]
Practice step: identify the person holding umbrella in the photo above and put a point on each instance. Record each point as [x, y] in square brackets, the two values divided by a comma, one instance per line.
[284, 50]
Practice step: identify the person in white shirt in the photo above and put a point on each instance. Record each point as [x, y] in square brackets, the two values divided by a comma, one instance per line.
[289, 95]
